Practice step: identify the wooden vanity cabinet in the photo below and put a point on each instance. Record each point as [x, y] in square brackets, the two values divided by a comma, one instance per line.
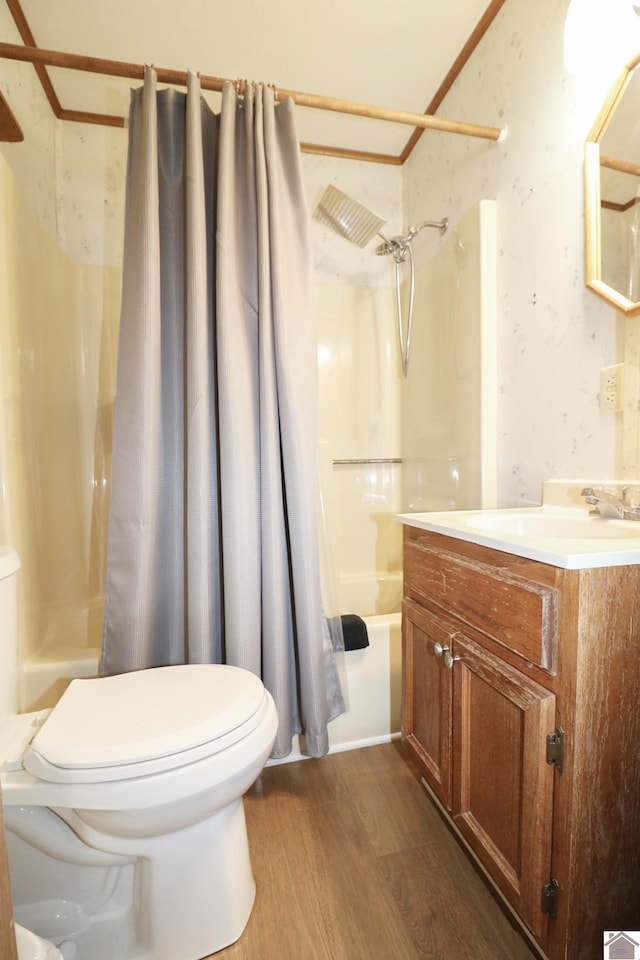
[521, 706]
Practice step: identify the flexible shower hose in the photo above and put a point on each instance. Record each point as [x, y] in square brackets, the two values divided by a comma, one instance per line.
[399, 257]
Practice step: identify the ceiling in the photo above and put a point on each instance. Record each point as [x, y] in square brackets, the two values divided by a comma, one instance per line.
[393, 54]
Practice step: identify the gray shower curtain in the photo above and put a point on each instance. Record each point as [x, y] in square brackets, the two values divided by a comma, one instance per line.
[213, 539]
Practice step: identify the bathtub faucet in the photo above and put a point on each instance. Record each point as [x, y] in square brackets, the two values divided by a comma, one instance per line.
[609, 505]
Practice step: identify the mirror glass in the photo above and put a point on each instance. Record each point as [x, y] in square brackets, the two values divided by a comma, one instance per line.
[612, 180]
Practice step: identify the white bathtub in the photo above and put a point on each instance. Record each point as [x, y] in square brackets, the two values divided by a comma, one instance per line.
[371, 685]
[371, 679]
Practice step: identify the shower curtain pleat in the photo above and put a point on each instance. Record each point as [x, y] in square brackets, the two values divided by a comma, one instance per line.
[213, 549]
[136, 466]
[202, 566]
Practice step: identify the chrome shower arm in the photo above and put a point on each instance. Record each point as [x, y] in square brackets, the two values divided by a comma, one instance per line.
[440, 225]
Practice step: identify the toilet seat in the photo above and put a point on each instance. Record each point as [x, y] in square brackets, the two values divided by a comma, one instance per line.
[135, 724]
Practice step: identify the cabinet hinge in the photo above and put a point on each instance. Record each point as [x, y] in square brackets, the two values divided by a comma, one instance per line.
[550, 894]
[555, 748]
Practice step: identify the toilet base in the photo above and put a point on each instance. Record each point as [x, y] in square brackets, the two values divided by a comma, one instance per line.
[216, 893]
[192, 891]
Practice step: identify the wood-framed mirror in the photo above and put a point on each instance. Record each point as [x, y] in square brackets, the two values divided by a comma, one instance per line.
[612, 196]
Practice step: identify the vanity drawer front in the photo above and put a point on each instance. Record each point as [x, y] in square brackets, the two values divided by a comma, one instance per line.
[520, 614]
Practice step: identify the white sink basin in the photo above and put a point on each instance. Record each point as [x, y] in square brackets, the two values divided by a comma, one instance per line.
[580, 527]
[572, 538]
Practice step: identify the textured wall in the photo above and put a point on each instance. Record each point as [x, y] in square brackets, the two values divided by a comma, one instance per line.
[553, 335]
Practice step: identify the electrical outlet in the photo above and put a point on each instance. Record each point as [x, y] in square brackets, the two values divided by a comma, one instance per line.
[611, 388]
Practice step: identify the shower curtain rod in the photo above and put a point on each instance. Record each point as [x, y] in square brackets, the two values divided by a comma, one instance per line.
[134, 71]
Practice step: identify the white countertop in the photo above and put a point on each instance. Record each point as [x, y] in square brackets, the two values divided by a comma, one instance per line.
[546, 533]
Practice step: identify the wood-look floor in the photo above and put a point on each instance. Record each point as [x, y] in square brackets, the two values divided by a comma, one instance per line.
[353, 862]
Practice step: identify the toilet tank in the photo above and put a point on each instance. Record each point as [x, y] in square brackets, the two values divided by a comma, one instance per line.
[9, 566]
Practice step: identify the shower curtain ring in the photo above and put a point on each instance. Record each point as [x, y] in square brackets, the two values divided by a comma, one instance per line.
[275, 91]
[241, 86]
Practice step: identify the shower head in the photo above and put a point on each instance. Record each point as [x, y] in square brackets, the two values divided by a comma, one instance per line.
[347, 217]
[359, 225]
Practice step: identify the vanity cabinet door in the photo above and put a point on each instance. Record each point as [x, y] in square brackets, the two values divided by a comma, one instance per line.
[427, 699]
[502, 784]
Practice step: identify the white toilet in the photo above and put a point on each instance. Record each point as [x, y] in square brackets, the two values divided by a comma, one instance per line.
[123, 804]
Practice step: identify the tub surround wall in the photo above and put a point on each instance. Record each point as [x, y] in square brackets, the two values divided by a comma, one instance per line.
[57, 385]
[435, 431]
[61, 202]
[359, 373]
[448, 397]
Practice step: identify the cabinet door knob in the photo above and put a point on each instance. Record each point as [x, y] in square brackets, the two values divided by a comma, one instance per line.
[439, 649]
[449, 659]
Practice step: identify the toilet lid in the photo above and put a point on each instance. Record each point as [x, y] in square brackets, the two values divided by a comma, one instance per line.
[141, 716]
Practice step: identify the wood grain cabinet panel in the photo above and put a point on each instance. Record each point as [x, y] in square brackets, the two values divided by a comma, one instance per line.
[533, 651]
[427, 703]
[503, 785]
[519, 613]
[479, 729]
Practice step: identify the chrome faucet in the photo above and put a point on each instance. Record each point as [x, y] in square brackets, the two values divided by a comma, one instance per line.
[609, 505]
